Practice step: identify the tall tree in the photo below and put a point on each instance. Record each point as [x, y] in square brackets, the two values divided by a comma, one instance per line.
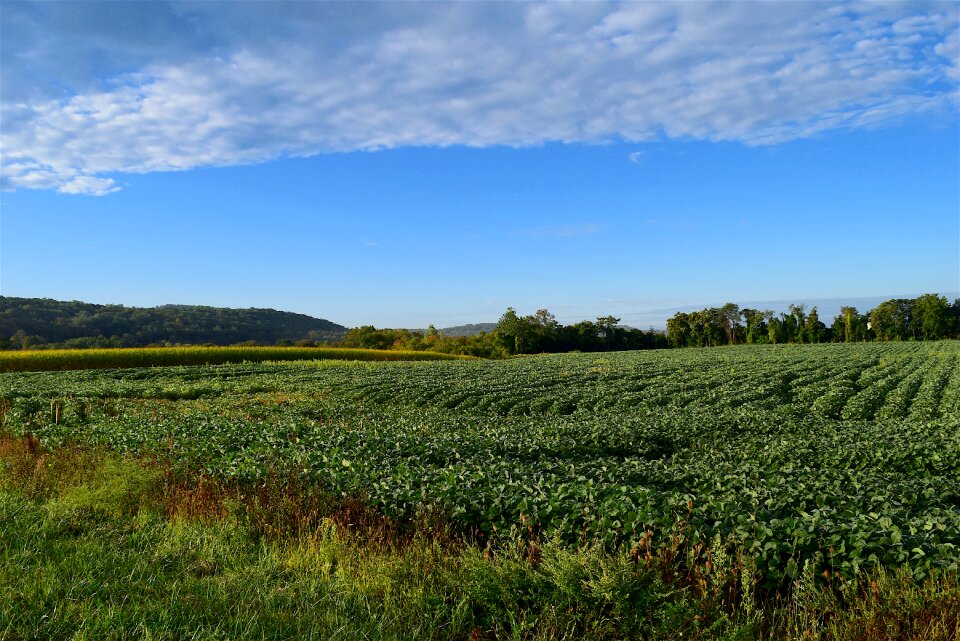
[795, 322]
[730, 315]
[953, 314]
[544, 330]
[756, 325]
[678, 330]
[777, 329]
[849, 319]
[513, 332]
[608, 331]
[813, 329]
[891, 320]
[931, 317]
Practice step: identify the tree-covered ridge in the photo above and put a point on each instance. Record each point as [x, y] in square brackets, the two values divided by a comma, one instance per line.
[470, 329]
[927, 317]
[33, 322]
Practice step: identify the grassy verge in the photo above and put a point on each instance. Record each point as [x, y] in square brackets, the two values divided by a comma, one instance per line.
[65, 359]
[97, 547]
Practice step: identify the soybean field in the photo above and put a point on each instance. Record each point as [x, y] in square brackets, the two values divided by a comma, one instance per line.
[829, 458]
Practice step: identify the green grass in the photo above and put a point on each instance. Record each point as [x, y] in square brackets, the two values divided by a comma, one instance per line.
[69, 359]
[95, 547]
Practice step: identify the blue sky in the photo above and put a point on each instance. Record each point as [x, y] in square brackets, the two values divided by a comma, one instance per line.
[404, 164]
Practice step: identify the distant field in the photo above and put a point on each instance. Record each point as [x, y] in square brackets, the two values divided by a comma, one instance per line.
[839, 457]
[68, 359]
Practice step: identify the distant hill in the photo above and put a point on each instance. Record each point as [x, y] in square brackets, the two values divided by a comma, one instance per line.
[471, 329]
[42, 321]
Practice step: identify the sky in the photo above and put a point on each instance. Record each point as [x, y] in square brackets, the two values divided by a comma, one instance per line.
[402, 164]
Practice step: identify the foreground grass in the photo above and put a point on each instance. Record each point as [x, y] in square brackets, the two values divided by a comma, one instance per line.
[66, 359]
[97, 547]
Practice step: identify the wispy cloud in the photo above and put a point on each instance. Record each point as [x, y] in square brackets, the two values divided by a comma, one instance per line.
[188, 85]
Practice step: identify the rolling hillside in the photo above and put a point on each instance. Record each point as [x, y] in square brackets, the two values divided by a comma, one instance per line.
[26, 322]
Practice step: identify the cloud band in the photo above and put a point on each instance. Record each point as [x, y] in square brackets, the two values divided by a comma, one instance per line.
[479, 75]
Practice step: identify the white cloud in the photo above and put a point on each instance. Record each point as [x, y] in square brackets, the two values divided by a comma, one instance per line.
[89, 185]
[479, 75]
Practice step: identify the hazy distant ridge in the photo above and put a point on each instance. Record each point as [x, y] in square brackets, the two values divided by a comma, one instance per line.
[470, 329]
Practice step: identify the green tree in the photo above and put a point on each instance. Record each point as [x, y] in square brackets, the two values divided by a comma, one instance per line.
[814, 330]
[21, 340]
[795, 322]
[678, 330]
[891, 320]
[756, 330]
[608, 331]
[514, 333]
[953, 322]
[777, 329]
[699, 328]
[931, 317]
[716, 326]
[846, 325]
[583, 336]
[730, 317]
[544, 330]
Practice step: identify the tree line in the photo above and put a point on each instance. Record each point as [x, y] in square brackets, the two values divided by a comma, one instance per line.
[43, 323]
[927, 317]
[514, 334]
